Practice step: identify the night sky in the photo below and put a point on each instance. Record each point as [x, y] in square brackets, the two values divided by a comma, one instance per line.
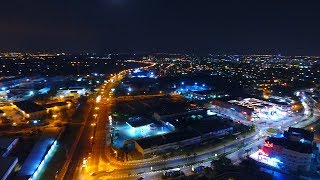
[192, 26]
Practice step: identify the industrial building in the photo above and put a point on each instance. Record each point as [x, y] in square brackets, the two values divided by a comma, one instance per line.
[7, 167]
[30, 109]
[40, 154]
[7, 163]
[72, 92]
[205, 95]
[197, 132]
[6, 145]
[57, 106]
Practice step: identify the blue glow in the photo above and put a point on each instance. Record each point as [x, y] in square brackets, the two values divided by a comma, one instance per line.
[182, 83]
[279, 135]
[274, 162]
[126, 132]
[45, 160]
[302, 140]
[38, 157]
[129, 89]
[137, 71]
[44, 90]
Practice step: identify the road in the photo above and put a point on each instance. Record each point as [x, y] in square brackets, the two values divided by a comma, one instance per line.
[73, 158]
[151, 167]
[90, 155]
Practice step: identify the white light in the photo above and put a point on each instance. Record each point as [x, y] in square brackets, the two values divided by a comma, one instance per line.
[98, 99]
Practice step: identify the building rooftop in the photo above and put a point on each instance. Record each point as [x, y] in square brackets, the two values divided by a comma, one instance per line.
[208, 92]
[38, 152]
[5, 143]
[35, 157]
[292, 145]
[227, 104]
[208, 125]
[196, 128]
[166, 138]
[55, 104]
[7, 165]
[140, 122]
[299, 132]
[29, 106]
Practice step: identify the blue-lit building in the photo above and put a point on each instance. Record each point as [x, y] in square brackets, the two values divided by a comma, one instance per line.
[185, 89]
[138, 73]
[41, 153]
[293, 151]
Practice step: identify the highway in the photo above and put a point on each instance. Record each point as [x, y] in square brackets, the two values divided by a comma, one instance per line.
[90, 155]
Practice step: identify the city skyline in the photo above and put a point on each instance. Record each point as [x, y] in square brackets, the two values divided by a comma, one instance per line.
[159, 89]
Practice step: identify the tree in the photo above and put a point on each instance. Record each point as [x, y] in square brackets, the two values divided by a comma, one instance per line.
[64, 114]
[188, 154]
[247, 151]
[194, 157]
[221, 164]
[250, 165]
[164, 158]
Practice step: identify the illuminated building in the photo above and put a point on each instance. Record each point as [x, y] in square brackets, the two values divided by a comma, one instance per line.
[7, 167]
[71, 92]
[295, 151]
[8, 163]
[138, 73]
[40, 154]
[252, 109]
[198, 131]
[233, 109]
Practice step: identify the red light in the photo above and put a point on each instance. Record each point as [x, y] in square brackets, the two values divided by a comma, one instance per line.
[261, 152]
[267, 144]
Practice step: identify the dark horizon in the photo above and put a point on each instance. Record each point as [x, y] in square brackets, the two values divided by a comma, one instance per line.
[273, 27]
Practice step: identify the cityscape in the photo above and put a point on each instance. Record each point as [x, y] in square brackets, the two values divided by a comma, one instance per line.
[86, 112]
